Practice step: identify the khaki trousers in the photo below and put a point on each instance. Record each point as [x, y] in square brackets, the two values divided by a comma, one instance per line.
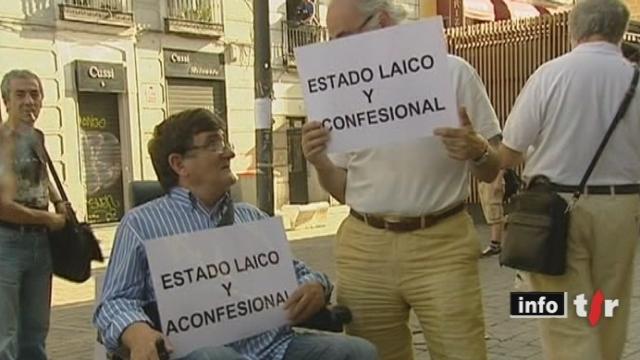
[434, 271]
[491, 202]
[603, 235]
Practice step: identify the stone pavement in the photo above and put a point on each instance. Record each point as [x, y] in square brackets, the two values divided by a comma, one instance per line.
[72, 337]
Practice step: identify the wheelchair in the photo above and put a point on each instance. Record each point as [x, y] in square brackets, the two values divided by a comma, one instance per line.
[329, 319]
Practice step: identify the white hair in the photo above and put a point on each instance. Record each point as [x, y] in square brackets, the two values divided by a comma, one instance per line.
[607, 18]
[396, 12]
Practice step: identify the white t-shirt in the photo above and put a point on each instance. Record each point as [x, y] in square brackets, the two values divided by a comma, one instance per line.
[418, 177]
[563, 112]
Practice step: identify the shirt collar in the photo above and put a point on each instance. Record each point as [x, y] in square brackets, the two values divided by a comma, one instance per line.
[598, 46]
[186, 197]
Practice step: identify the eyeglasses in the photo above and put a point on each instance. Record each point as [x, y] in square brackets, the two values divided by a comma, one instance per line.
[358, 30]
[366, 21]
[217, 147]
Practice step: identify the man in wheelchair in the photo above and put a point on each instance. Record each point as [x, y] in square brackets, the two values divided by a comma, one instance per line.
[191, 159]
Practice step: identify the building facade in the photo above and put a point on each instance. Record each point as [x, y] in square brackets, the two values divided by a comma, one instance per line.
[113, 69]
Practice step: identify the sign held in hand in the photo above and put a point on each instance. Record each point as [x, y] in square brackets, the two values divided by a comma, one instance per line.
[379, 87]
[234, 278]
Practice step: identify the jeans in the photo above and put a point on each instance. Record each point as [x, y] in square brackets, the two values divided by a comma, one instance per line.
[25, 294]
[325, 346]
[214, 353]
[304, 347]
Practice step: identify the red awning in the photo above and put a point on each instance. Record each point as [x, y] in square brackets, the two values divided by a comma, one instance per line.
[495, 10]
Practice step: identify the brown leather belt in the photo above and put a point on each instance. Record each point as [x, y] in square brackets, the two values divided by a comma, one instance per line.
[23, 228]
[404, 224]
[600, 189]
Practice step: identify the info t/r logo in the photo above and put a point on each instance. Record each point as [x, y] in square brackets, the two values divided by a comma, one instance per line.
[596, 305]
[538, 305]
[554, 305]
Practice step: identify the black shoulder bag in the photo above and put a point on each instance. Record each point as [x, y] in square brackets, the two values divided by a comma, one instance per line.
[74, 246]
[538, 222]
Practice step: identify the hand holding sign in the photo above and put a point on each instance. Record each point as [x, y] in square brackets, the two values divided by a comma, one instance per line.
[462, 143]
[221, 285]
[314, 143]
[142, 342]
[306, 301]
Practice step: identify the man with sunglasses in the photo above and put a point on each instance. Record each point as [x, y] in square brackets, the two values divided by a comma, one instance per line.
[192, 161]
[408, 242]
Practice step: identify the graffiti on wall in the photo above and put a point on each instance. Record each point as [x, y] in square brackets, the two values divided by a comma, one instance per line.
[102, 169]
[104, 208]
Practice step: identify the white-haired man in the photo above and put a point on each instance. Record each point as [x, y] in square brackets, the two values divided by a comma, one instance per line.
[408, 243]
[562, 114]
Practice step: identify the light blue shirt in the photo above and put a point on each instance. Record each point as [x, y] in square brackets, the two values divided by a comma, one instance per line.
[128, 285]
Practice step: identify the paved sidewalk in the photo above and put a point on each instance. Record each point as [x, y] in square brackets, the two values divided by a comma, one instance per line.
[72, 337]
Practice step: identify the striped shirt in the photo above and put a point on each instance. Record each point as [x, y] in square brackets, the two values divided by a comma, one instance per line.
[128, 285]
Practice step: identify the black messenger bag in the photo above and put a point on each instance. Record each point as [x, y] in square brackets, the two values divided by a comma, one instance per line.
[537, 223]
[74, 246]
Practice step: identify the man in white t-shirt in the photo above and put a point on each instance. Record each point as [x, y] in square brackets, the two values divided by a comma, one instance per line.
[408, 243]
[562, 114]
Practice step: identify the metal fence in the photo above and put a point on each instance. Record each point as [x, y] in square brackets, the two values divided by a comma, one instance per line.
[295, 34]
[207, 11]
[112, 5]
[506, 53]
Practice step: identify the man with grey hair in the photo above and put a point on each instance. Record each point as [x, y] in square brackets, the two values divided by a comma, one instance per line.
[408, 242]
[25, 194]
[558, 120]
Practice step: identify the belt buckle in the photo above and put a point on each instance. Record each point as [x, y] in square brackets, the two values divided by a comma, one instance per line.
[390, 220]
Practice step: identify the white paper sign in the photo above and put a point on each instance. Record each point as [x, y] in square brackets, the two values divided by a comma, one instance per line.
[379, 87]
[218, 286]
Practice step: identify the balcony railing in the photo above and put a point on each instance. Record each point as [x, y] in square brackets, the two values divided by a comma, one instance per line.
[196, 17]
[107, 12]
[113, 5]
[295, 35]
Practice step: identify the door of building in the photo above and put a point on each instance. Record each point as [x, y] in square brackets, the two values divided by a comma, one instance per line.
[183, 94]
[101, 156]
[298, 188]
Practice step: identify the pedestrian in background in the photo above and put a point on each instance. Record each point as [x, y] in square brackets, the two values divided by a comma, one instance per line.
[25, 195]
[563, 113]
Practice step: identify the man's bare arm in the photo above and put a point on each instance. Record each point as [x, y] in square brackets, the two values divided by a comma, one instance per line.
[509, 158]
[11, 211]
[486, 171]
[314, 145]
[333, 179]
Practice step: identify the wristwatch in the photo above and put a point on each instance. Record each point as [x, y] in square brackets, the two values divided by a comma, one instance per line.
[482, 158]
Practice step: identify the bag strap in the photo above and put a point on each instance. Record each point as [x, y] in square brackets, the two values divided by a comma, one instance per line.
[56, 178]
[619, 115]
